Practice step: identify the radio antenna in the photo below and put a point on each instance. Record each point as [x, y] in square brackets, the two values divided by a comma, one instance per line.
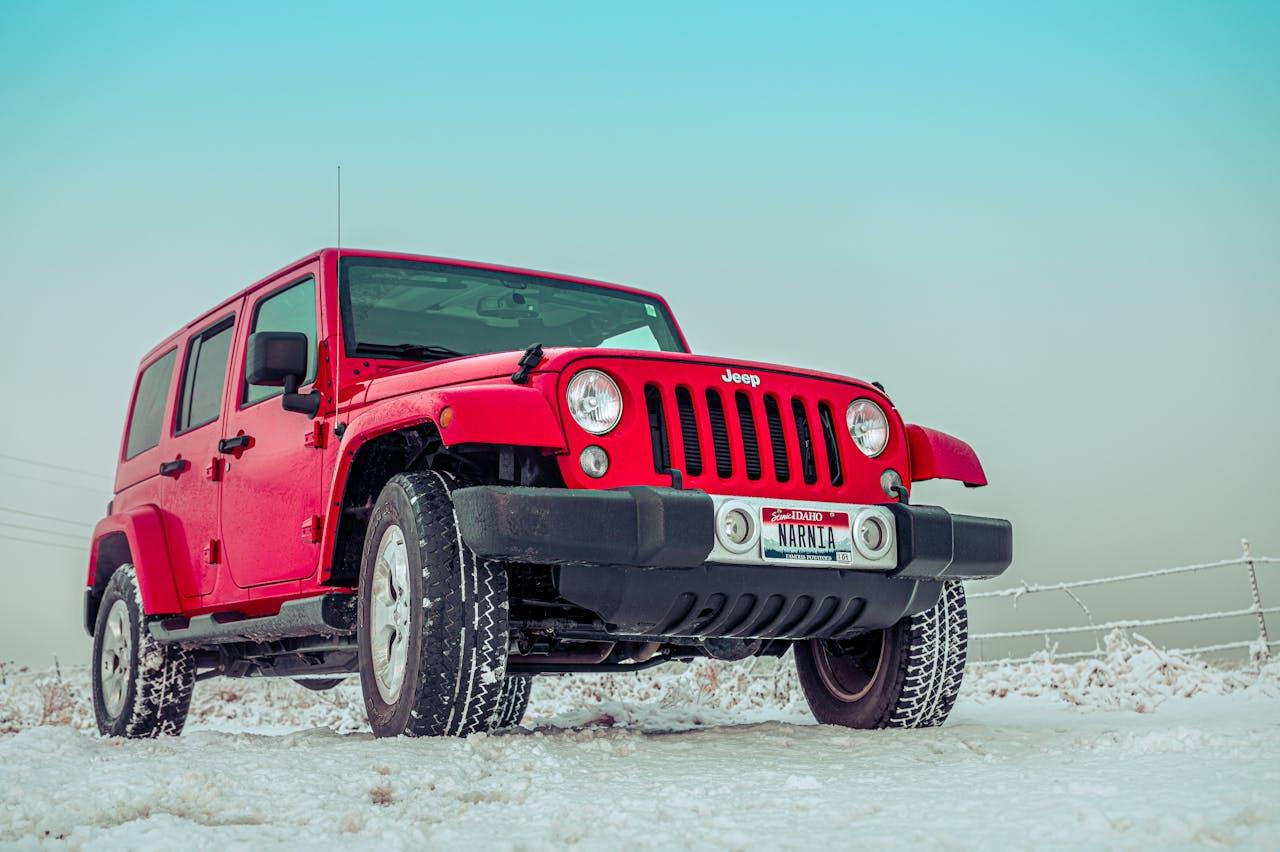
[339, 207]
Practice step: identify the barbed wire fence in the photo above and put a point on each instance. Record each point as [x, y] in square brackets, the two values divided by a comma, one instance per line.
[1259, 646]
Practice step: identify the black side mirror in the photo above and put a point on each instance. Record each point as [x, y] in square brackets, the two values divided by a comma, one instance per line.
[278, 359]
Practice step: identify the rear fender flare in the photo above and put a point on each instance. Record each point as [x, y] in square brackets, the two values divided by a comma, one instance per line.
[137, 537]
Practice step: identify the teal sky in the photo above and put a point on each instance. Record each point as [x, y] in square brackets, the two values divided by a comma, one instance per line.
[1051, 230]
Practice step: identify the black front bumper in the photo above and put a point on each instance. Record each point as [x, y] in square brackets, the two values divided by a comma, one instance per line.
[637, 558]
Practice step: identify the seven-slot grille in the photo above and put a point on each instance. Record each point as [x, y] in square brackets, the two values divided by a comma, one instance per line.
[797, 433]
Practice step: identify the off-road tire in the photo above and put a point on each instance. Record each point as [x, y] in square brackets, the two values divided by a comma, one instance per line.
[456, 661]
[160, 676]
[514, 701]
[920, 664]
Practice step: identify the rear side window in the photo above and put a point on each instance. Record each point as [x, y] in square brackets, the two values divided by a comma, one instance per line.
[146, 420]
[291, 309]
[201, 399]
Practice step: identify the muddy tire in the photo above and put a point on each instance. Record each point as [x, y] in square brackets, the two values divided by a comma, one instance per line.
[141, 687]
[436, 669]
[513, 703]
[907, 676]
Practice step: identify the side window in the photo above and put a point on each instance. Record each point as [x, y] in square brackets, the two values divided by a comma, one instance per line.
[200, 401]
[146, 420]
[292, 309]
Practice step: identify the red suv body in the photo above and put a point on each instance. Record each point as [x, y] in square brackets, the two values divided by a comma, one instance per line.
[244, 508]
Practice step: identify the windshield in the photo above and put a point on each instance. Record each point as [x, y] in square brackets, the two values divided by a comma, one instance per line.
[427, 311]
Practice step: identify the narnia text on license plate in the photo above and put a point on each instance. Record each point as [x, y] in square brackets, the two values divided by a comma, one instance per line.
[805, 535]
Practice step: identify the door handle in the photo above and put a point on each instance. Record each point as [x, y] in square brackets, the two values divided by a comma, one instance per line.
[173, 468]
[230, 445]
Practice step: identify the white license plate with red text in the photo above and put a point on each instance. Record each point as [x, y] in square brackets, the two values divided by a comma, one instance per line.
[805, 535]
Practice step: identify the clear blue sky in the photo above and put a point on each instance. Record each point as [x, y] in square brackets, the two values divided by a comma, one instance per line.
[1050, 230]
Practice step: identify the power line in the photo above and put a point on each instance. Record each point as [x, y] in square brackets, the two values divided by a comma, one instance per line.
[51, 466]
[52, 482]
[45, 543]
[44, 517]
[73, 536]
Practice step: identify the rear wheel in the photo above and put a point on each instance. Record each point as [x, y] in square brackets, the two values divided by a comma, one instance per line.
[141, 687]
[432, 622]
[906, 676]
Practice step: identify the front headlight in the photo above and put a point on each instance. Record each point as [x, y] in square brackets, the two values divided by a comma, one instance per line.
[594, 401]
[868, 426]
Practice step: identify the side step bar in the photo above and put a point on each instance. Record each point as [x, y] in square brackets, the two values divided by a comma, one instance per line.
[322, 615]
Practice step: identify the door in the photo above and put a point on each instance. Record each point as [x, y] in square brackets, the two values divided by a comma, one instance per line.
[272, 489]
[191, 467]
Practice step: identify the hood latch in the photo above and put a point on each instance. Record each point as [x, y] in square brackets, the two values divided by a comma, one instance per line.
[531, 358]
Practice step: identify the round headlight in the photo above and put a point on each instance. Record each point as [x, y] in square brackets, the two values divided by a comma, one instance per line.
[868, 426]
[594, 401]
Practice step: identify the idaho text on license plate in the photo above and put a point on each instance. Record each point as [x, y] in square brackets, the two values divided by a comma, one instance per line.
[805, 535]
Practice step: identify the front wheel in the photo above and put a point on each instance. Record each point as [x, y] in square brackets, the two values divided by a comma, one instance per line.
[141, 687]
[432, 623]
[905, 676]
[514, 701]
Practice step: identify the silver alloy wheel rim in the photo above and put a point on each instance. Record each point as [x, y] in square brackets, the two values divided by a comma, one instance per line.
[117, 647]
[389, 614]
[831, 678]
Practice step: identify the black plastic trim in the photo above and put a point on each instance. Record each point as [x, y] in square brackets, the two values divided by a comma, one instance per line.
[742, 601]
[92, 600]
[321, 615]
[630, 526]
[933, 543]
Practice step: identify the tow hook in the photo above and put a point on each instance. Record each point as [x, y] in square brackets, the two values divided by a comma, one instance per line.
[531, 358]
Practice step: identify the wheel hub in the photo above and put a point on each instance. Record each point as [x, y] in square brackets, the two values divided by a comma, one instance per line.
[117, 647]
[390, 614]
[850, 669]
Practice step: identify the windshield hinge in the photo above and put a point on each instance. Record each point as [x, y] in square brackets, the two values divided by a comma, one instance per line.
[531, 358]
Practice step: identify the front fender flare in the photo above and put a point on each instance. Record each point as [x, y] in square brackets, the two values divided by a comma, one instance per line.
[502, 414]
[937, 455]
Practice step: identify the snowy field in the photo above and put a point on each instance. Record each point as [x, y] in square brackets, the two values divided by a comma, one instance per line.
[1137, 749]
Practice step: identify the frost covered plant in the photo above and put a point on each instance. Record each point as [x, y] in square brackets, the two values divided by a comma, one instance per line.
[57, 702]
[1130, 673]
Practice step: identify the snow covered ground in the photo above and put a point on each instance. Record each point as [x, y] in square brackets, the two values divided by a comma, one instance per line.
[1135, 749]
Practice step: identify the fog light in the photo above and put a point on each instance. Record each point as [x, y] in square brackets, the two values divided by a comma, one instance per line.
[736, 527]
[889, 480]
[594, 461]
[872, 534]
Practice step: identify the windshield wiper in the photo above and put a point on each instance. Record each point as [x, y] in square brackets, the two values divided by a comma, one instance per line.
[419, 351]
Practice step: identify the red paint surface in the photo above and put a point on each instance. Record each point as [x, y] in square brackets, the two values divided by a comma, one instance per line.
[937, 455]
[143, 527]
[260, 508]
[628, 445]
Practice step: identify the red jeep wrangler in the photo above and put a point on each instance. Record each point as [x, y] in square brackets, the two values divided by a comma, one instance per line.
[356, 466]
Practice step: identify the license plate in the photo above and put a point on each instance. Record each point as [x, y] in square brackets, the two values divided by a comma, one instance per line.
[805, 535]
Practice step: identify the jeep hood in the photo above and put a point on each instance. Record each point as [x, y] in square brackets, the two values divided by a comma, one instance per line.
[499, 366]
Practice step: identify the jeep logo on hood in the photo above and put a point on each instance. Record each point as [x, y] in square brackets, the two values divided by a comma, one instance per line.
[730, 377]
